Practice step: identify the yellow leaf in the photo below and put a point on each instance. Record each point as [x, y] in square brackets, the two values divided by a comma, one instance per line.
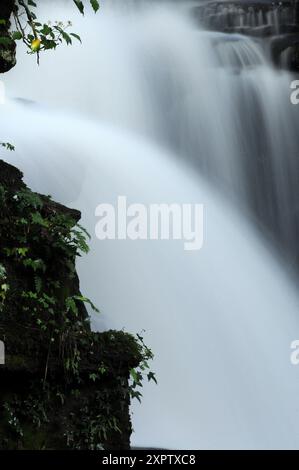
[35, 45]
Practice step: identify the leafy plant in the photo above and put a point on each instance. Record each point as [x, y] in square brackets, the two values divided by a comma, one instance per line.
[41, 36]
[7, 146]
[143, 371]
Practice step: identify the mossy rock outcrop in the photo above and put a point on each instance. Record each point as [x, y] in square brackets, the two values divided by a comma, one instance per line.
[62, 385]
[7, 46]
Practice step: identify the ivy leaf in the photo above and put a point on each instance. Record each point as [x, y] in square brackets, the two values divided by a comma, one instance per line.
[80, 6]
[151, 376]
[95, 5]
[38, 219]
[22, 251]
[136, 394]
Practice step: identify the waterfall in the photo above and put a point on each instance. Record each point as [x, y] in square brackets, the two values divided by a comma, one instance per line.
[154, 108]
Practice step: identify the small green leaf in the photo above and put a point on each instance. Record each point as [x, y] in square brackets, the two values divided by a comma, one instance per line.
[80, 6]
[95, 5]
[151, 376]
[66, 37]
[16, 35]
[76, 36]
[46, 30]
[38, 219]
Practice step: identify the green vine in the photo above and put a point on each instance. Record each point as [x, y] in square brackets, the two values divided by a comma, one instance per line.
[143, 371]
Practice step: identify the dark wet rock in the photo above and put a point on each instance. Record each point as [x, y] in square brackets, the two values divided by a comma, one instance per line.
[276, 22]
[227, 16]
[7, 46]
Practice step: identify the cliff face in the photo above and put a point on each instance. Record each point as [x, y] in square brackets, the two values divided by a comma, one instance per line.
[7, 46]
[62, 386]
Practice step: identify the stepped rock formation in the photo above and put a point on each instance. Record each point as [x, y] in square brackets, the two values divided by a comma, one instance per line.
[277, 22]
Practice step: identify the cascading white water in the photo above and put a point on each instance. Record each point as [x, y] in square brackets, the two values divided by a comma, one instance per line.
[220, 321]
[182, 87]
